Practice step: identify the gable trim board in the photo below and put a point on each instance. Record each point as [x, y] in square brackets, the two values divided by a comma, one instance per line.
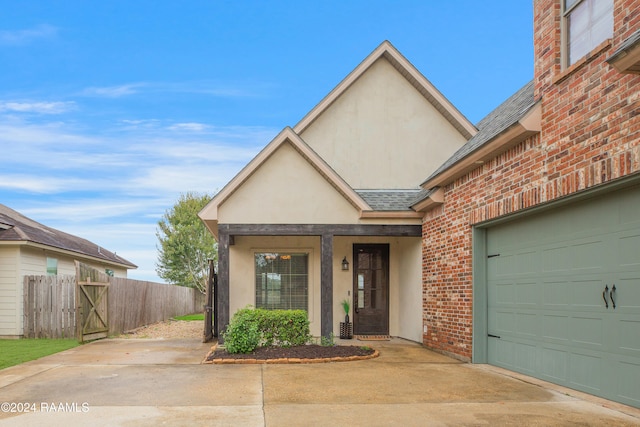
[404, 67]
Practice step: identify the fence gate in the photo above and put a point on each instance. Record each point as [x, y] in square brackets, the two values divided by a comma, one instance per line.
[92, 287]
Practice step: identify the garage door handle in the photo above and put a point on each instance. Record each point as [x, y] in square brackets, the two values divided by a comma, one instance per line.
[613, 303]
[604, 296]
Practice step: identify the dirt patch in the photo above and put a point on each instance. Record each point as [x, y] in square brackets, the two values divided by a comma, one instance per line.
[170, 329]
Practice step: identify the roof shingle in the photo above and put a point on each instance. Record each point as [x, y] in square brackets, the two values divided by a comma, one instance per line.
[17, 227]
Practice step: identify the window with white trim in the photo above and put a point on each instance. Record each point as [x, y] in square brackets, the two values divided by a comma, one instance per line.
[587, 23]
[282, 280]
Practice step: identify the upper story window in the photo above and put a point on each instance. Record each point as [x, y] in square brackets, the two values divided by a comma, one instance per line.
[587, 23]
[52, 266]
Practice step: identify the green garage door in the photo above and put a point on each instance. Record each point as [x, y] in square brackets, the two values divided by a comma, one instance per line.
[564, 295]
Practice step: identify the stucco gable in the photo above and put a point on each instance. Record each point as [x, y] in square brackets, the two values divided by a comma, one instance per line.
[384, 126]
[387, 51]
[310, 160]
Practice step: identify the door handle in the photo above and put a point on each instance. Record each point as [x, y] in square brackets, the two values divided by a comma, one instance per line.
[355, 302]
[604, 296]
[613, 289]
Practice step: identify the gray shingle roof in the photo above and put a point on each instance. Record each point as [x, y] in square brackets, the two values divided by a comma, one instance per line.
[17, 227]
[390, 200]
[499, 120]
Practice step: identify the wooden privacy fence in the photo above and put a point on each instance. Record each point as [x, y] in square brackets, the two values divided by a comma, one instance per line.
[148, 302]
[92, 303]
[50, 308]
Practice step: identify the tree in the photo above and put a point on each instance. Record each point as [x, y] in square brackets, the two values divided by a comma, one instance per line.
[185, 244]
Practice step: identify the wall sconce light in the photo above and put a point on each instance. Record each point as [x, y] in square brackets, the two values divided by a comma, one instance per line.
[345, 264]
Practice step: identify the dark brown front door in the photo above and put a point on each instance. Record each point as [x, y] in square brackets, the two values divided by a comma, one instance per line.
[371, 289]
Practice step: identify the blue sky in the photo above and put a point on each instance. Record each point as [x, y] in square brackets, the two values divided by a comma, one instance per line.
[109, 110]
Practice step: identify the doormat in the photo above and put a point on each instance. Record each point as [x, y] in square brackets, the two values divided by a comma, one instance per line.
[374, 338]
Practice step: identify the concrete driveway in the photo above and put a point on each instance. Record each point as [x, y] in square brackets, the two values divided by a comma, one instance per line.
[162, 382]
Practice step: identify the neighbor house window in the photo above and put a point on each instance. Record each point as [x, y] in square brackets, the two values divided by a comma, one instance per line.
[282, 280]
[587, 23]
[52, 266]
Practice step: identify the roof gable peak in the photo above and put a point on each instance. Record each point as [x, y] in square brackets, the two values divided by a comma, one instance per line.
[387, 51]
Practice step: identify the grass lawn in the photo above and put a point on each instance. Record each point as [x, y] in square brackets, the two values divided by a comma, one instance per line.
[15, 352]
[191, 317]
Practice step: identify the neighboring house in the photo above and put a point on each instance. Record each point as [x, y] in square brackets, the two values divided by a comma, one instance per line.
[521, 248]
[338, 187]
[30, 248]
[531, 259]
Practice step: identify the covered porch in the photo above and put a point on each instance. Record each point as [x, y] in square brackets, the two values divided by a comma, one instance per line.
[327, 245]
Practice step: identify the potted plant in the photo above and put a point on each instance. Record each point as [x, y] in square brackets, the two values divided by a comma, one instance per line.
[346, 331]
[346, 305]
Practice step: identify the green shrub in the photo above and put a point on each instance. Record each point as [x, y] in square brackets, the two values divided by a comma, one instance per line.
[329, 341]
[242, 335]
[282, 328]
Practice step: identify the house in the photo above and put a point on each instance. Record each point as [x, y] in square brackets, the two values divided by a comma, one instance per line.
[514, 243]
[531, 258]
[338, 187]
[30, 248]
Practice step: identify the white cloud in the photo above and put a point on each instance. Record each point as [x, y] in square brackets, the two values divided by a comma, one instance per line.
[36, 107]
[113, 91]
[35, 184]
[192, 127]
[21, 37]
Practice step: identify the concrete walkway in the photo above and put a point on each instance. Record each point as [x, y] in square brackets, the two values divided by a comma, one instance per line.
[162, 382]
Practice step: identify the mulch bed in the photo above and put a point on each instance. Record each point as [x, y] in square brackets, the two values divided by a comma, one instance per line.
[301, 352]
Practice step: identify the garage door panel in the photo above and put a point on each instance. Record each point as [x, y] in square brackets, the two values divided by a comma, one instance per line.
[526, 325]
[629, 208]
[526, 357]
[628, 292]
[586, 371]
[556, 294]
[627, 333]
[503, 352]
[588, 255]
[505, 266]
[554, 259]
[504, 293]
[628, 384]
[586, 293]
[555, 363]
[527, 294]
[628, 251]
[504, 322]
[587, 332]
[556, 328]
[545, 295]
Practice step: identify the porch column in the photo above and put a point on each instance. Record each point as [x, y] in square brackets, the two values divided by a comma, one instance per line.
[326, 284]
[222, 306]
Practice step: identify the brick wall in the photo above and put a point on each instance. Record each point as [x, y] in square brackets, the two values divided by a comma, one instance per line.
[590, 135]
